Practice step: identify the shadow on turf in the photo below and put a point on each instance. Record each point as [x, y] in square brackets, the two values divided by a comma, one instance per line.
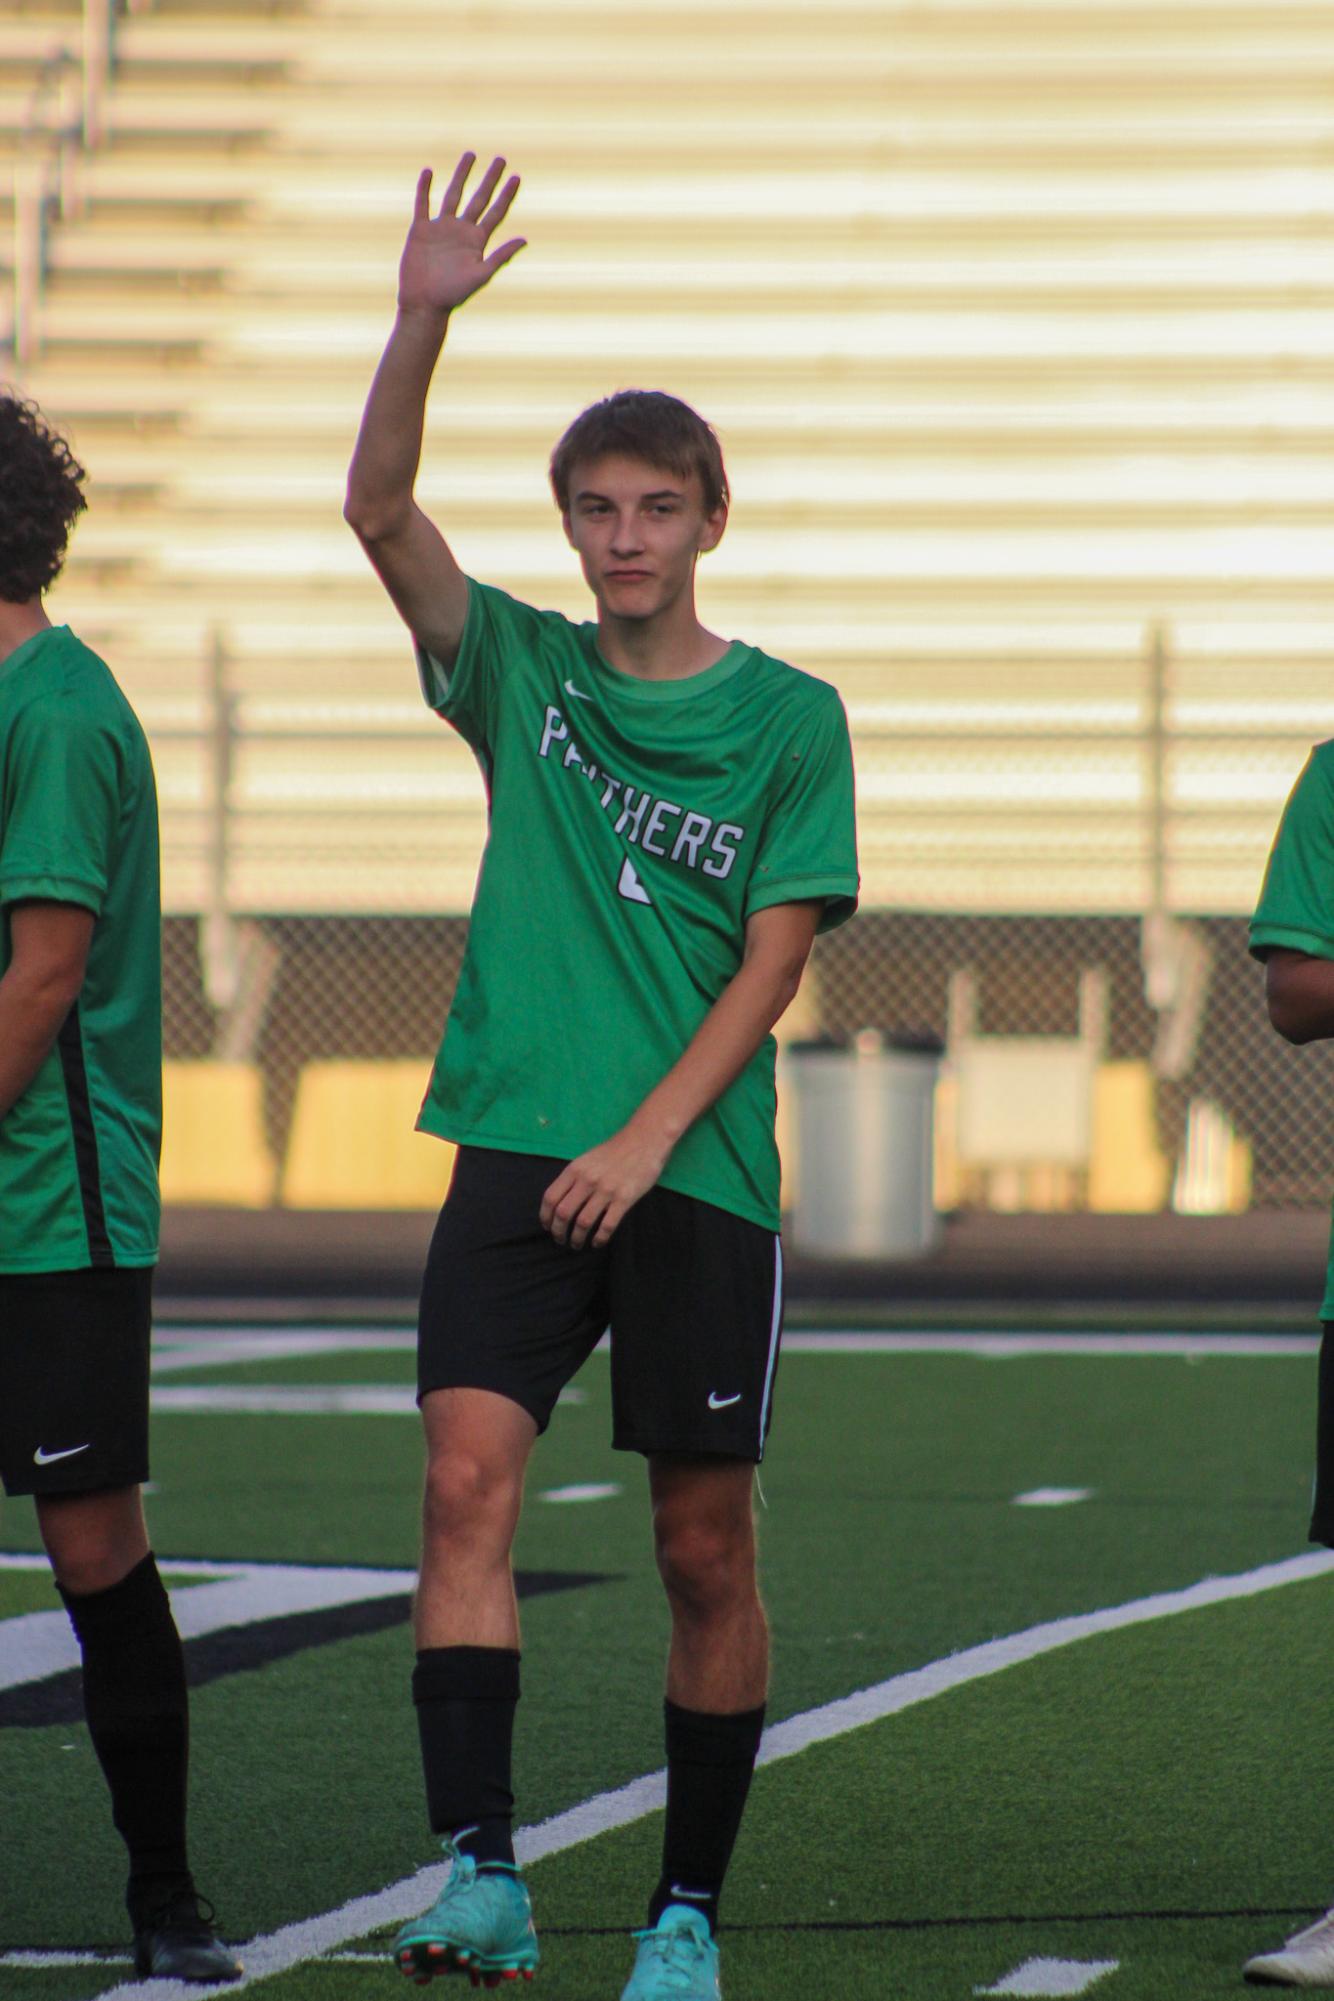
[58, 1698]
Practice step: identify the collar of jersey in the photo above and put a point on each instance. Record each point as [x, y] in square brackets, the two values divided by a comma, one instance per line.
[681, 690]
[24, 652]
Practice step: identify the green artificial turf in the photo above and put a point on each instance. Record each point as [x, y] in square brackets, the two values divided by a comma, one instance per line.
[889, 1540]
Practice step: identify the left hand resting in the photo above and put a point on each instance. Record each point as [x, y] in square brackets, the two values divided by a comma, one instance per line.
[588, 1199]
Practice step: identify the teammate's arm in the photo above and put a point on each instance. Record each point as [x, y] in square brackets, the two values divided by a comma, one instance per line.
[1299, 991]
[444, 262]
[590, 1196]
[49, 954]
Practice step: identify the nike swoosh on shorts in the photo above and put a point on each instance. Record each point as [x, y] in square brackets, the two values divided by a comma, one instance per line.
[43, 1458]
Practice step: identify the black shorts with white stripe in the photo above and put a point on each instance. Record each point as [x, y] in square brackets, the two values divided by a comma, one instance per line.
[74, 1349]
[691, 1295]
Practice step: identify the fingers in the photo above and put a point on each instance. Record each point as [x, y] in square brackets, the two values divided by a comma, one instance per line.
[483, 192]
[607, 1228]
[493, 263]
[458, 181]
[574, 1207]
[421, 205]
[500, 207]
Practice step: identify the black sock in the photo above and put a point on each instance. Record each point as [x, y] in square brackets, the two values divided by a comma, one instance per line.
[466, 1698]
[135, 1701]
[710, 1760]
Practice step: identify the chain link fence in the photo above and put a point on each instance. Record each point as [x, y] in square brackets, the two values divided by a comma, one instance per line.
[365, 991]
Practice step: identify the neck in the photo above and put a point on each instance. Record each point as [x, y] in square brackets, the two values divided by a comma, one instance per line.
[20, 622]
[668, 647]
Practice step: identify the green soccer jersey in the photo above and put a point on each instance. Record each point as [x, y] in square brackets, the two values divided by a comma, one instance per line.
[1296, 908]
[634, 827]
[78, 824]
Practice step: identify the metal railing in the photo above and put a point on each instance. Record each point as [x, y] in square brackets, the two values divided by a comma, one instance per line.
[64, 121]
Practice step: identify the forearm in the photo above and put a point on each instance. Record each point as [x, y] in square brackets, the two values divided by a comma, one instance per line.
[388, 449]
[31, 1016]
[719, 1050]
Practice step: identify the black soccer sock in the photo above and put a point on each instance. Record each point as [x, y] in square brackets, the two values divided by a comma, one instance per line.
[710, 1760]
[466, 1698]
[134, 1698]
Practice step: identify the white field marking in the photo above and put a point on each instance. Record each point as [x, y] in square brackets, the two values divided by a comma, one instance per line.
[312, 1938]
[1053, 1976]
[199, 1348]
[590, 1490]
[1006, 1347]
[37, 1644]
[1052, 1497]
[287, 1399]
[205, 1348]
[300, 1399]
[45, 1961]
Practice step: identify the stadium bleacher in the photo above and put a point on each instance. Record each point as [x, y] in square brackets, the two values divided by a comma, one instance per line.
[1014, 316]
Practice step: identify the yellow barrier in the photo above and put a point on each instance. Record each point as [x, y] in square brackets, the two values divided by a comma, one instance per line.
[352, 1143]
[1128, 1174]
[213, 1145]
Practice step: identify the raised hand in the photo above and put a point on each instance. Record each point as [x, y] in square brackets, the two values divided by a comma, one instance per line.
[445, 257]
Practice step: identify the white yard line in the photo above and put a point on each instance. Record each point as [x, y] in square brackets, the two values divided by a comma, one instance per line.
[34, 1645]
[179, 1348]
[1053, 1976]
[310, 1938]
[1052, 1497]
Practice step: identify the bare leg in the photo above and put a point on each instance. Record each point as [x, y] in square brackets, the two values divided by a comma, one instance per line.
[704, 1532]
[477, 1446]
[93, 1540]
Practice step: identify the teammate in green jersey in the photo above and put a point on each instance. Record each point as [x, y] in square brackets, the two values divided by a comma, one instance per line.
[1292, 931]
[80, 1118]
[671, 822]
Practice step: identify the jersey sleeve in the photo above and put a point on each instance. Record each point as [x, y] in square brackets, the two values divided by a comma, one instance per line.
[1296, 908]
[808, 845]
[62, 808]
[498, 628]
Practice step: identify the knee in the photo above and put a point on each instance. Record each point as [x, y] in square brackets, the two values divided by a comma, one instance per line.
[704, 1565]
[92, 1540]
[468, 1500]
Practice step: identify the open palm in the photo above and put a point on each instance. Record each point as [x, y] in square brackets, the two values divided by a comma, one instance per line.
[445, 258]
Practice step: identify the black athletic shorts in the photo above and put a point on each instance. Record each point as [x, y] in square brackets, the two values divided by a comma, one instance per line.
[692, 1297]
[1322, 1504]
[74, 1379]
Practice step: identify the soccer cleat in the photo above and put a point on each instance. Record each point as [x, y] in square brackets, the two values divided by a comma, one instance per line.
[1307, 1960]
[176, 1941]
[676, 1961]
[481, 1924]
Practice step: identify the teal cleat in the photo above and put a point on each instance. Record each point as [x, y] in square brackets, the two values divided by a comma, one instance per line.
[481, 1925]
[678, 1961]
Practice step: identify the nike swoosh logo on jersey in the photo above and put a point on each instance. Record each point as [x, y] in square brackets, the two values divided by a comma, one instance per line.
[578, 693]
[43, 1458]
[720, 1403]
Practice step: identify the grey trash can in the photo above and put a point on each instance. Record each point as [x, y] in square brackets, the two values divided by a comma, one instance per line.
[865, 1136]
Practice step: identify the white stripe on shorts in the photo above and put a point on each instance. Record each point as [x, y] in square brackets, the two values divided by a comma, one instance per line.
[774, 1329]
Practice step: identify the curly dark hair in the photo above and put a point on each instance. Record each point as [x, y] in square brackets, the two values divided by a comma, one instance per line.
[40, 499]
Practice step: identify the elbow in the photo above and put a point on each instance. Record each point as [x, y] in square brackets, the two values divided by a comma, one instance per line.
[1295, 1034]
[358, 517]
[1288, 1022]
[370, 521]
[787, 983]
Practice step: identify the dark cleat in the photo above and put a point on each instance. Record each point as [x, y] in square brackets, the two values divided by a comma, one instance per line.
[176, 1941]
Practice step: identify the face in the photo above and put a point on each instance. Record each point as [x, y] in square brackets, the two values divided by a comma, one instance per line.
[637, 531]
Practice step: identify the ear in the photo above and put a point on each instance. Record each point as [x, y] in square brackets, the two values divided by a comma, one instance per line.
[567, 525]
[712, 532]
